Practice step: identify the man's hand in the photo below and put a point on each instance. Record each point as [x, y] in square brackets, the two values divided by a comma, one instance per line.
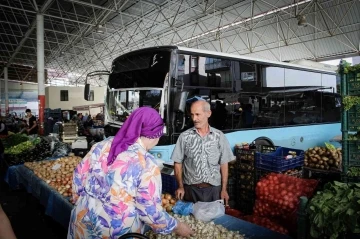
[180, 192]
[225, 196]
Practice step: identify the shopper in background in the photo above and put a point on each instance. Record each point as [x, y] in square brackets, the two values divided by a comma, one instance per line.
[32, 124]
[201, 157]
[3, 128]
[117, 186]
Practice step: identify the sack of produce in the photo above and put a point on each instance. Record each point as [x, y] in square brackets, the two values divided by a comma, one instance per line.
[323, 158]
[278, 197]
[266, 222]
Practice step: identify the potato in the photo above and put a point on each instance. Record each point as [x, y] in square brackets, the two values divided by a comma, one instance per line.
[325, 159]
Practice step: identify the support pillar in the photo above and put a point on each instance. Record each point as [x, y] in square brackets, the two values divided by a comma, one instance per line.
[6, 89]
[40, 69]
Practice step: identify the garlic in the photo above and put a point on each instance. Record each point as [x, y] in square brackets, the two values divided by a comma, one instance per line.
[206, 230]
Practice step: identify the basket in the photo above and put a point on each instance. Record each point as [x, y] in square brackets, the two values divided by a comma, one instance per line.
[277, 162]
[169, 184]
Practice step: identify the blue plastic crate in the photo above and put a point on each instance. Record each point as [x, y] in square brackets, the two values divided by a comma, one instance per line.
[169, 184]
[277, 162]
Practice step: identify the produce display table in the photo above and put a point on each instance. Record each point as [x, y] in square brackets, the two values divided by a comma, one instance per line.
[56, 206]
[59, 208]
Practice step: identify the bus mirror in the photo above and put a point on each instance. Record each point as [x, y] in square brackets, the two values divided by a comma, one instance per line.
[87, 92]
[180, 101]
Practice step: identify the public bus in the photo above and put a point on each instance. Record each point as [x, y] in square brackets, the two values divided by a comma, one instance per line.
[268, 102]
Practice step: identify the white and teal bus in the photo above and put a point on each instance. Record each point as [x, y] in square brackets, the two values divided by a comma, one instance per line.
[268, 102]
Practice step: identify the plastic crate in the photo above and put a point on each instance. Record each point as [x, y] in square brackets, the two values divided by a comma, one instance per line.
[245, 155]
[353, 83]
[354, 152]
[277, 162]
[353, 116]
[169, 184]
[266, 149]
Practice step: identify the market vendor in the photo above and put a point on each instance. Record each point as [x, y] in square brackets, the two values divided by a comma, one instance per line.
[201, 157]
[117, 186]
[32, 124]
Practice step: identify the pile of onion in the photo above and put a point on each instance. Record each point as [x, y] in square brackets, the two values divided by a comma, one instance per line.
[167, 202]
[57, 173]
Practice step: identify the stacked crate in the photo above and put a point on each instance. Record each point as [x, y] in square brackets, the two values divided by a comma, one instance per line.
[272, 159]
[350, 120]
[245, 179]
[53, 113]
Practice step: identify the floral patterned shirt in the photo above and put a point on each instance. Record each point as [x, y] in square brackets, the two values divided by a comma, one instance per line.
[120, 198]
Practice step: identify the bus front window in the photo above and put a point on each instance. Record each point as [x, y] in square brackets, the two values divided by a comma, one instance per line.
[120, 103]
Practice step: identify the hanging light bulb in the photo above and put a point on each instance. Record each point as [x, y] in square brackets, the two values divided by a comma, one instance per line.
[302, 21]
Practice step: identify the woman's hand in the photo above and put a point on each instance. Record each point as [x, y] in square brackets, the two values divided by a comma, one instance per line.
[183, 230]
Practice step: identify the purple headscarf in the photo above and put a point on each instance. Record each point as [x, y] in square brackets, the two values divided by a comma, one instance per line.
[144, 121]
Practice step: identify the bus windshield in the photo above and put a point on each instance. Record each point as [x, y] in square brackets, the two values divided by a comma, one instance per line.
[136, 80]
[120, 103]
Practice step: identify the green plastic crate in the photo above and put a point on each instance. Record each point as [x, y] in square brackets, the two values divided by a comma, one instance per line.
[353, 116]
[353, 83]
[354, 152]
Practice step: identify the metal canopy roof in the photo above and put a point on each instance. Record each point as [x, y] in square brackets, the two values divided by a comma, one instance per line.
[259, 28]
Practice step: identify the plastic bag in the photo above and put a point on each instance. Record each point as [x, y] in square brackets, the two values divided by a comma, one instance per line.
[61, 149]
[183, 208]
[207, 211]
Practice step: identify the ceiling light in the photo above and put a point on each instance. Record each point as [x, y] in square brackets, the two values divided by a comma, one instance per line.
[302, 21]
[99, 28]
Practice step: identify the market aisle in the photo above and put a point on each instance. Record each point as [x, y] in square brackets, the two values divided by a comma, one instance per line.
[27, 215]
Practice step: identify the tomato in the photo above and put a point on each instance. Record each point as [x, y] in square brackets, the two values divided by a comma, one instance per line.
[283, 193]
[282, 185]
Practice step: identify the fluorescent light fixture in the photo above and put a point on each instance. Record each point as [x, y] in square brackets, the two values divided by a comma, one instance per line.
[302, 21]
[245, 20]
[99, 29]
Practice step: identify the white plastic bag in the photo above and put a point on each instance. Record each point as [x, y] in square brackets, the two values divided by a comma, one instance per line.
[207, 211]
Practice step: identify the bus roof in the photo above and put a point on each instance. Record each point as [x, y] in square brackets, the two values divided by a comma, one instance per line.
[239, 57]
[258, 60]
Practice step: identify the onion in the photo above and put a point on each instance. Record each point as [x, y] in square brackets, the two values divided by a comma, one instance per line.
[165, 201]
[169, 208]
[168, 196]
[172, 201]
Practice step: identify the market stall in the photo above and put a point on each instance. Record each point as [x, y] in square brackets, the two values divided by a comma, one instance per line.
[59, 208]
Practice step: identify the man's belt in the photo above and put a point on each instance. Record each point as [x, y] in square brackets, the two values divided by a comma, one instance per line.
[202, 185]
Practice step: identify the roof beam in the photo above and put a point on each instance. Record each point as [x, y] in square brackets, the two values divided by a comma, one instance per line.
[27, 34]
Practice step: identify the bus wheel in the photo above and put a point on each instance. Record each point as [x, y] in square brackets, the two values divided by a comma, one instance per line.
[263, 141]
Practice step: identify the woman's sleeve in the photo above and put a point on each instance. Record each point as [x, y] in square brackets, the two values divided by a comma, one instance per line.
[148, 201]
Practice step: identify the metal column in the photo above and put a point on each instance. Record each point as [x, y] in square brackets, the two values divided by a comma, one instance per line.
[6, 89]
[40, 69]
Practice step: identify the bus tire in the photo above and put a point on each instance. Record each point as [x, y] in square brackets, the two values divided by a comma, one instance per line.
[263, 141]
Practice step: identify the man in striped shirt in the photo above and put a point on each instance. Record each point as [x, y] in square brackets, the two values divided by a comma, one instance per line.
[201, 157]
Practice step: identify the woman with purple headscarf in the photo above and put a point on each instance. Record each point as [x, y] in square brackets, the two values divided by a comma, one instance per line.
[117, 186]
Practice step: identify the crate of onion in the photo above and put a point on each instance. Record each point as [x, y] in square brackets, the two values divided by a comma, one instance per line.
[56, 173]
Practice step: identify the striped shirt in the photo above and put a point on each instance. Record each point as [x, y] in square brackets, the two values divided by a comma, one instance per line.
[201, 157]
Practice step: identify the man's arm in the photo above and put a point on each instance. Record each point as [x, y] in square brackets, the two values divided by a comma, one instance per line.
[224, 170]
[178, 174]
